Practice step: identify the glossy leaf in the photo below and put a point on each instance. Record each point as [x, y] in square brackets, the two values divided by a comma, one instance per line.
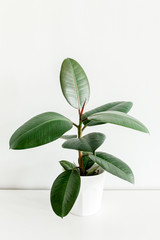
[92, 171]
[88, 143]
[113, 106]
[119, 118]
[87, 162]
[64, 192]
[74, 83]
[68, 136]
[113, 165]
[39, 130]
[67, 165]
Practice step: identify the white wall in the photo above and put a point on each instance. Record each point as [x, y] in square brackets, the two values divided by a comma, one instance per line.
[118, 44]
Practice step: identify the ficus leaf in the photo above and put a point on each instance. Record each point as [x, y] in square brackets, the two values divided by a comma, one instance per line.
[113, 165]
[88, 143]
[67, 165]
[66, 137]
[92, 171]
[74, 83]
[87, 162]
[113, 106]
[119, 118]
[64, 192]
[39, 130]
[122, 106]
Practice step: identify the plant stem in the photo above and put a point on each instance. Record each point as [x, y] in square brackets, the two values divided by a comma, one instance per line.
[75, 125]
[80, 159]
[84, 127]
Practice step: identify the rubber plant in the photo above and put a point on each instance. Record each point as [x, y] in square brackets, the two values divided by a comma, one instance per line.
[49, 126]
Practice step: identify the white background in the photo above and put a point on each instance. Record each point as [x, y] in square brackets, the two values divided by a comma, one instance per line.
[117, 43]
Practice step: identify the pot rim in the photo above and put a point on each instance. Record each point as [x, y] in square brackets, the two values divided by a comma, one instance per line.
[100, 174]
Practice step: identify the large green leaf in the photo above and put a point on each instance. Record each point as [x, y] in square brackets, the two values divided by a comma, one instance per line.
[74, 83]
[119, 118]
[88, 143]
[113, 165]
[39, 130]
[67, 165]
[64, 192]
[113, 106]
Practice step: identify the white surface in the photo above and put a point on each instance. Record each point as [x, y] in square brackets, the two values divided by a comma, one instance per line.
[124, 215]
[117, 43]
[90, 195]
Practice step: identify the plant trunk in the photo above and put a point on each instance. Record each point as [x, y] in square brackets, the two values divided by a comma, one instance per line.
[80, 159]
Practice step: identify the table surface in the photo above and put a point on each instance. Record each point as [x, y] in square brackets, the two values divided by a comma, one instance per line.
[125, 215]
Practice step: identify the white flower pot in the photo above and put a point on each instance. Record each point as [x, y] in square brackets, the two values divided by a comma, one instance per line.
[90, 195]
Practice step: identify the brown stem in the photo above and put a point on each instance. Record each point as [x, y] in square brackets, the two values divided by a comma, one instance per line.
[80, 162]
[84, 127]
[80, 159]
[84, 120]
[75, 124]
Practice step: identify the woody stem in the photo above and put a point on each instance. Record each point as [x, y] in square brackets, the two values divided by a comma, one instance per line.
[80, 159]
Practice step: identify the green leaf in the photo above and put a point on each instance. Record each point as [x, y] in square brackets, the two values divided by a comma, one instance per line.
[67, 165]
[69, 136]
[119, 118]
[64, 192]
[92, 171]
[113, 106]
[87, 162]
[113, 165]
[74, 83]
[39, 130]
[88, 143]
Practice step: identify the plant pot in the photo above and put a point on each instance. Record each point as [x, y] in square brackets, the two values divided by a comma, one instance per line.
[90, 195]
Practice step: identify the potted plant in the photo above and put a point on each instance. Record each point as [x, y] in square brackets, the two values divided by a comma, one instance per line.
[89, 170]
